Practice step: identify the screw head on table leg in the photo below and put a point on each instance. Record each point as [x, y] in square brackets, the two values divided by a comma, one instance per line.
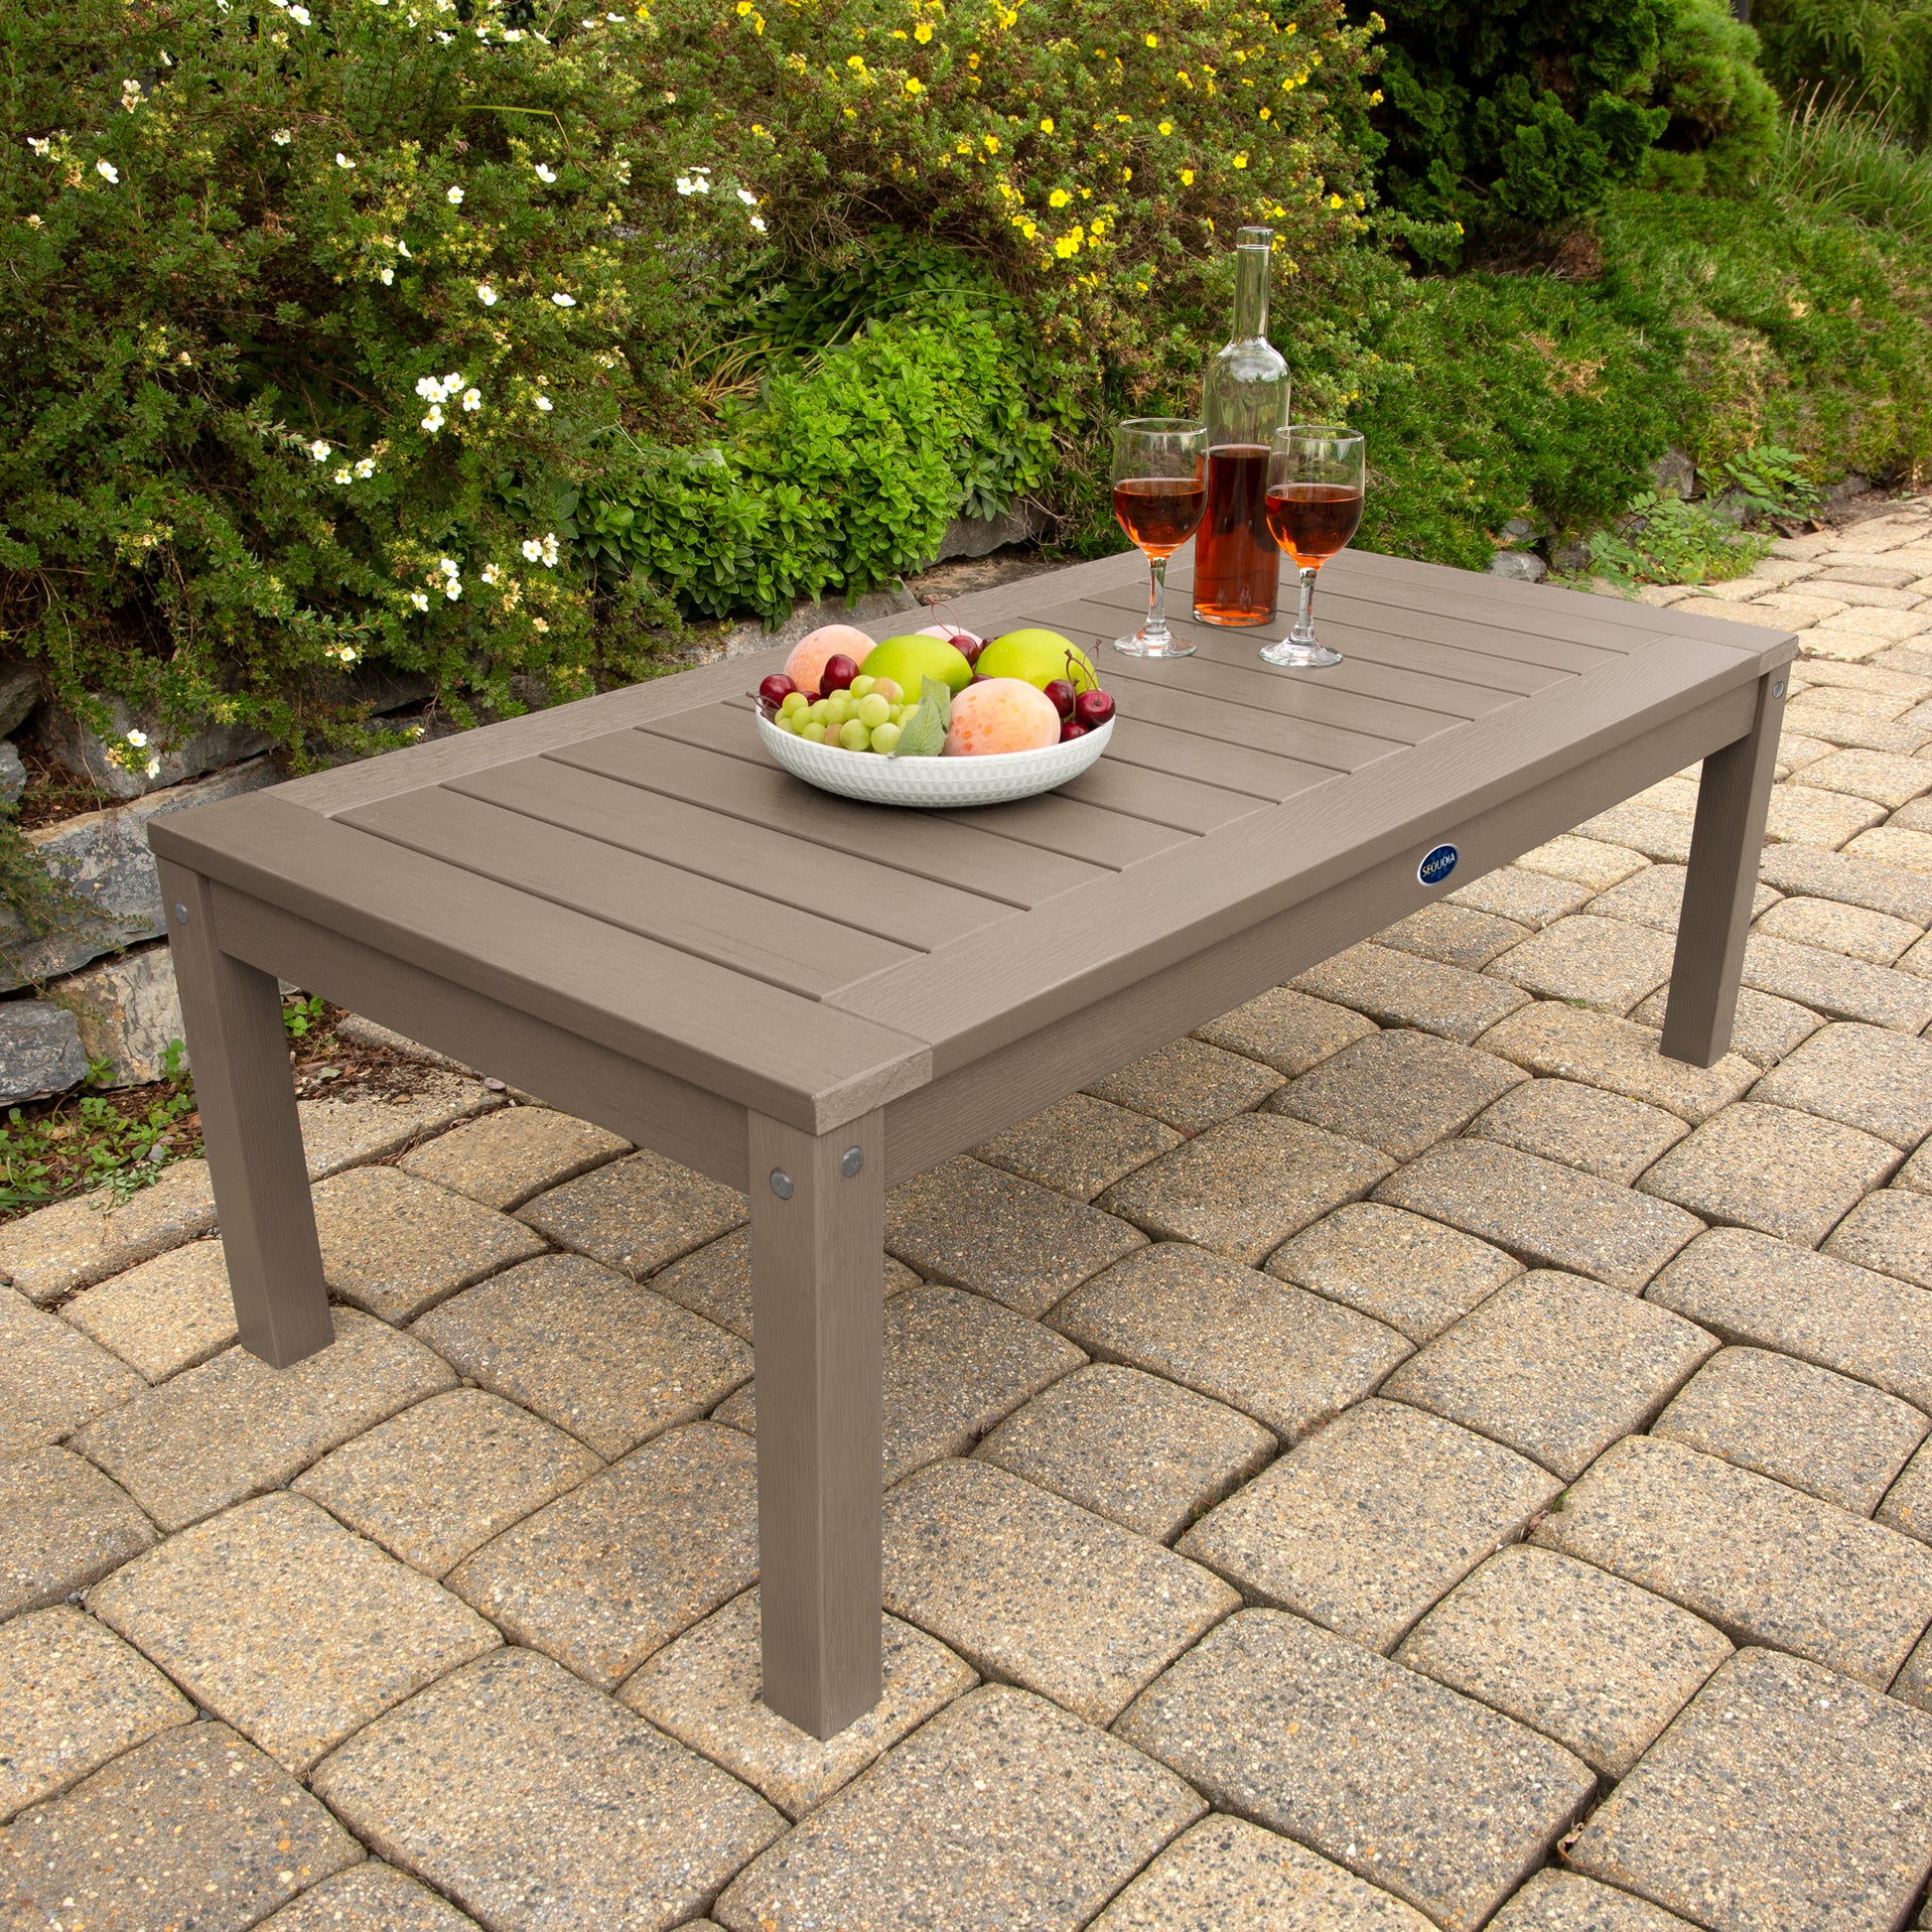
[851, 1160]
[781, 1184]
[180, 912]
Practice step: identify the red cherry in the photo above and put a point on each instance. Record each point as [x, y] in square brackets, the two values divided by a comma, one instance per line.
[979, 677]
[1093, 709]
[1061, 692]
[967, 645]
[775, 689]
[1070, 731]
[839, 672]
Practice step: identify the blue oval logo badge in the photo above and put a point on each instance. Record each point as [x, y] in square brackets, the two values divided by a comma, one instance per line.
[1438, 865]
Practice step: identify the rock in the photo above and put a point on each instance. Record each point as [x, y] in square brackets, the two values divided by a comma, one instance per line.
[13, 773]
[127, 1012]
[1733, 506]
[980, 536]
[40, 1051]
[19, 692]
[104, 858]
[1570, 557]
[1518, 530]
[75, 747]
[1675, 475]
[1854, 483]
[805, 617]
[1521, 566]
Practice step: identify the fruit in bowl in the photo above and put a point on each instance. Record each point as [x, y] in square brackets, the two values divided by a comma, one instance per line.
[1001, 714]
[1040, 657]
[811, 654]
[910, 659]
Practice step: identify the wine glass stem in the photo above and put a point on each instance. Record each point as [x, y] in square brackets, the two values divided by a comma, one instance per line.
[1304, 631]
[1156, 628]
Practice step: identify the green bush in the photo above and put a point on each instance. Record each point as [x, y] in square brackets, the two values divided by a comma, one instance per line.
[1840, 161]
[1873, 54]
[1505, 115]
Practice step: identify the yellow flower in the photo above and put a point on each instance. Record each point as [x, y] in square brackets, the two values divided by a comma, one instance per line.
[1154, 39]
[1334, 201]
[1127, 174]
[922, 31]
[1375, 99]
[1068, 245]
[1186, 178]
[1047, 124]
[991, 143]
[852, 113]
[913, 84]
[1058, 197]
[972, 60]
[1031, 230]
[1240, 160]
[1267, 114]
[1289, 28]
[856, 62]
[898, 33]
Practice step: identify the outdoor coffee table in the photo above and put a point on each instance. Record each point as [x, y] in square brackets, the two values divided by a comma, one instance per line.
[624, 907]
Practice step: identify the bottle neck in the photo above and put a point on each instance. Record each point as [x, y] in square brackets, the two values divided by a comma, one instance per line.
[1251, 293]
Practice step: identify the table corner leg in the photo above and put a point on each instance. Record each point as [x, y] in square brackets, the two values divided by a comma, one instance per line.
[819, 1208]
[238, 1051]
[1733, 798]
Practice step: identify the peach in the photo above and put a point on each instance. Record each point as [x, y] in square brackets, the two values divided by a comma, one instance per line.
[806, 664]
[1003, 714]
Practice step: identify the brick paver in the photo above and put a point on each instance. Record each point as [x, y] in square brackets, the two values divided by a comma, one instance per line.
[1318, 1308]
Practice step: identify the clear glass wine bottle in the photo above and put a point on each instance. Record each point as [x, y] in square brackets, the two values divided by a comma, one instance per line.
[1244, 401]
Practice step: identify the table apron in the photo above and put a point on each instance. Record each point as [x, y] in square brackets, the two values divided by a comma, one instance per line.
[971, 1104]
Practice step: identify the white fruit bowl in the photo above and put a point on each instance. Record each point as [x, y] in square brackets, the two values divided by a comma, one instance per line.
[936, 784]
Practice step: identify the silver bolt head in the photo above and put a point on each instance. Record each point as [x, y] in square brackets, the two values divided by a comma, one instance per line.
[781, 1184]
[180, 910]
[851, 1160]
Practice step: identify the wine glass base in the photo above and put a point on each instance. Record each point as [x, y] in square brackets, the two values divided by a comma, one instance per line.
[1300, 657]
[1141, 645]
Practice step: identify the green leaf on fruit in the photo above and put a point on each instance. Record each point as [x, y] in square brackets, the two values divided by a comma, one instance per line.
[923, 734]
[936, 691]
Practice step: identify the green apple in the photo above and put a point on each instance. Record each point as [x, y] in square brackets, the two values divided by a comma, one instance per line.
[1039, 657]
[907, 660]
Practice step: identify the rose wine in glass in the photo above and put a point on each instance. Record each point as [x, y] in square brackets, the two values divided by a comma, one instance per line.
[1315, 505]
[1244, 401]
[1160, 486]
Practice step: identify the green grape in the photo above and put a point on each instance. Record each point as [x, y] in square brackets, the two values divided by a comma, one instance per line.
[815, 732]
[853, 735]
[819, 711]
[874, 711]
[860, 686]
[783, 721]
[840, 708]
[794, 701]
[884, 738]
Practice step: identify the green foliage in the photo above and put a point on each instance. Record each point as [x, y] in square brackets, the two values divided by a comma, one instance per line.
[1669, 541]
[1511, 114]
[842, 474]
[1873, 54]
[1770, 481]
[302, 1015]
[1834, 159]
[115, 1142]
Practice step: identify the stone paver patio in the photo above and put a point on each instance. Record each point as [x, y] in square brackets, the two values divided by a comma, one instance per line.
[1409, 1455]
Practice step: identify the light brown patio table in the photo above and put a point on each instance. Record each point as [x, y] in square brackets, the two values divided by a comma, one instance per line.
[622, 905]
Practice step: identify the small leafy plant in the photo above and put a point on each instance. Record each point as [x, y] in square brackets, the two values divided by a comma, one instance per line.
[1666, 540]
[1770, 481]
[118, 1143]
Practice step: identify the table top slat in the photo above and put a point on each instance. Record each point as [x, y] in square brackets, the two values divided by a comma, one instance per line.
[873, 897]
[926, 844]
[1150, 747]
[694, 1021]
[726, 924]
[1158, 795]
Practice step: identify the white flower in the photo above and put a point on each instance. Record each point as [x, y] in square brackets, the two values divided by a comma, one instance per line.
[545, 173]
[550, 550]
[107, 171]
[365, 469]
[563, 300]
[449, 567]
[452, 589]
[758, 221]
[454, 196]
[451, 384]
[545, 404]
[300, 15]
[746, 195]
[692, 184]
[342, 160]
[138, 739]
[348, 654]
[589, 20]
[343, 476]
[427, 388]
[152, 770]
[491, 575]
[388, 276]
[37, 147]
[472, 400]
[532, 551]
[486, 295]
[131, 95]
[514, 35]
[319, 451]
[34, 222]
[434, 420]
[419, 599]
[282, 136]
[402, 248]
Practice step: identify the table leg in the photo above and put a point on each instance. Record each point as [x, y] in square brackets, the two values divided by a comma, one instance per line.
[818, 1214]
[1734, 796]
[238, 1049]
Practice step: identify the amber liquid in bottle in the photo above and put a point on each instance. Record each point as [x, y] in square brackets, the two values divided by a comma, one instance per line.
[1237, 567]
[1244, 400]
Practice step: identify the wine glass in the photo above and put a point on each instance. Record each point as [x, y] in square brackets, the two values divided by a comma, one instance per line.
[1160, 488]
[1315, 505]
